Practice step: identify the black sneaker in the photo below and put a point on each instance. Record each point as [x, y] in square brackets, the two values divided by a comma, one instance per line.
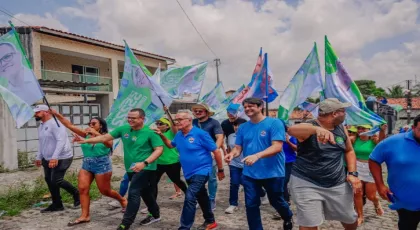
[149, 220]
[52, 208]
[76, 199]
[123, 227]
[288, 225]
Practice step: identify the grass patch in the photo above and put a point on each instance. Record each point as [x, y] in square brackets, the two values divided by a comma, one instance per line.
[22, 196]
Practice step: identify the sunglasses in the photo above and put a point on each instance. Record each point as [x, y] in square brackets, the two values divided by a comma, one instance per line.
[159, 123]
[199, 111]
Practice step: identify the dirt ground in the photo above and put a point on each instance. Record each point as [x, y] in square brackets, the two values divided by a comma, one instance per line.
[104, 217]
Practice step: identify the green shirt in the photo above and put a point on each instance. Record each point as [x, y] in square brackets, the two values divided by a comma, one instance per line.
[363, 149]
[169, 156]
[94, 150]
[138, 145]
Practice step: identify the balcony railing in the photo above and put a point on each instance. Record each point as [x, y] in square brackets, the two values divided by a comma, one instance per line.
[82, 78]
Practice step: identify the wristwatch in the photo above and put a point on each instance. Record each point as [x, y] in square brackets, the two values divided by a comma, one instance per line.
[146, 163]
[355, 174]
[220, 170]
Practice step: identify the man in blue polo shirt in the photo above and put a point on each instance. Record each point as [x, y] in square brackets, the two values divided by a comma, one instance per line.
[195, 147]
[261, 140]
[401, 154]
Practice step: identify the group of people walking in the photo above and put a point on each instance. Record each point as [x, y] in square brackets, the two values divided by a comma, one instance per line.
[325, 168]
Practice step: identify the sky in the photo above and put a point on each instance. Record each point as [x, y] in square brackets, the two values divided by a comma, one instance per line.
[375, 39]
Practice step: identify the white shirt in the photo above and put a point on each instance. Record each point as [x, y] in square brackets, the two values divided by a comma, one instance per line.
[53, 141]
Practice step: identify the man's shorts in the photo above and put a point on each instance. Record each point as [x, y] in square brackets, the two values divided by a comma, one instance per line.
[315, 204]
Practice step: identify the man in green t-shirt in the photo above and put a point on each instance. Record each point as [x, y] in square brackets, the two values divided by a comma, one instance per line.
[142, 147]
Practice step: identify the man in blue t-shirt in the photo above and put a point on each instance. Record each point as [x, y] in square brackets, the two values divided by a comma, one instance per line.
[204, 121]
[195, 147]
[261, 141]
[401, 155]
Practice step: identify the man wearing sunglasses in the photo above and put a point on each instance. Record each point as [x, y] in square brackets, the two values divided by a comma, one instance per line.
[142, 147]
[203, 121]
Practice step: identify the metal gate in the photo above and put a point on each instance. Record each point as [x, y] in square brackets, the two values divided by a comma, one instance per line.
[78, 114]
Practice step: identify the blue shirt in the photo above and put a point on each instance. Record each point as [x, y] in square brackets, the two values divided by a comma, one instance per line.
[211, 126]
[288, 151]
[254, 138]
[237, 161]
[194, 152]
[401, 153]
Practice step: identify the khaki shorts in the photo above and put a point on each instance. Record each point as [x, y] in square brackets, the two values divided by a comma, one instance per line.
[315, 204]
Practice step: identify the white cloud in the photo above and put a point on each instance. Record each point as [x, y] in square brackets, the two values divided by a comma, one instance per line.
[48, 20]
[236, 30]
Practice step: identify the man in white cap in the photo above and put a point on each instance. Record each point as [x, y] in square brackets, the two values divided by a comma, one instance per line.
[204, 121]
[55, 155]
[319, 184]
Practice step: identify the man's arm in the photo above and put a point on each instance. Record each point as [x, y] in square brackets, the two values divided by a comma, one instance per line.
[376, 171]
[60, 136]
[351, 165]
[155, 155]
[276, 147]
[165, 140]
[219, 140]
[98, 139]
[218, 157]
[302, 131]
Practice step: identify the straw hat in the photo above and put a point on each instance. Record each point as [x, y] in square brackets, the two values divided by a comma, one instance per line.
[203, 106]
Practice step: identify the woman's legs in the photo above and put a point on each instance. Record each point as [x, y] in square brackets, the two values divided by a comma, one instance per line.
[85, 180]
[370, 190]
[104, 185]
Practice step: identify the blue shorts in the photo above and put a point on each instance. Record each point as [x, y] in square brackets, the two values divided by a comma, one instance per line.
[97, 165]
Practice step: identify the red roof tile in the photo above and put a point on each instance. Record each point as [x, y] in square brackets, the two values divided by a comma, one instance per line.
[45, 30]
[415, 102]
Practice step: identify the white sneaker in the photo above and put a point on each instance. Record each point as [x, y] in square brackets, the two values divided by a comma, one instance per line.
[231, 209]
[264, 200]
[144, 211]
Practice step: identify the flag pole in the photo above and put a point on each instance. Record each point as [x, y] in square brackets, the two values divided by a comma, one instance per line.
[48, 104]
[266, 85]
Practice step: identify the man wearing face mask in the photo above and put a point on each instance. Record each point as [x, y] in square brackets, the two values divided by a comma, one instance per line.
[55, 155]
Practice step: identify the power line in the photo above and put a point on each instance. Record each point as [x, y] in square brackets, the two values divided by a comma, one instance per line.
[8, 13]
[189, 19]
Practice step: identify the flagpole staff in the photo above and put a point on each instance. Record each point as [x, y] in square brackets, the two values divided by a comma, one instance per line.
[48, 104]
[160, 99]
[266, 86]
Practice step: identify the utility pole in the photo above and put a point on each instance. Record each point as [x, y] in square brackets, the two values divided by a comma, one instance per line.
[218, 63]
[408, 98]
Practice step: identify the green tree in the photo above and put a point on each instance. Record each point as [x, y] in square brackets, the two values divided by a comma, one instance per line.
[396, 91]
[368, 88]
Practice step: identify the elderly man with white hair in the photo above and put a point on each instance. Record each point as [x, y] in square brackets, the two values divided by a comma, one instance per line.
[195, 147]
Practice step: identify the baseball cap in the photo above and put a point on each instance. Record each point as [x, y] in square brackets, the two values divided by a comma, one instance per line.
[41, 108]
[352, 129]
[330, 105]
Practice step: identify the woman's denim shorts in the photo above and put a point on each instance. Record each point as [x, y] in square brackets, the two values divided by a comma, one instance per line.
[97, 165]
